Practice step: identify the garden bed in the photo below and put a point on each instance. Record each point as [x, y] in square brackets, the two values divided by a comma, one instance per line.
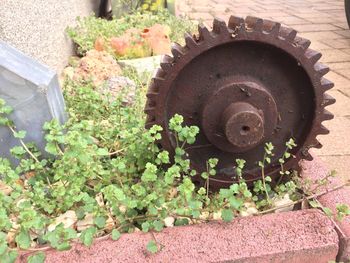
[107, 177]
[296, 236]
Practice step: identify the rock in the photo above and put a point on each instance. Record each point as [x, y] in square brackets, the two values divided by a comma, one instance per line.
[157, 37]
[172, 193]
[285, 203]
[249, 212]
[169, 221]
[32, 90]
[68, 72]
[204, 215]
[142, 66]
[99, 199]
[5, 189]
[68, 219]
[85, 223]
[11, 235]
[97, 66]
[131, 44]
[217, 215]
[110, 223]
[121, 86]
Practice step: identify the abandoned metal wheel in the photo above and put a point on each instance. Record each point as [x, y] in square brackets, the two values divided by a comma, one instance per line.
[347, 11]
[243, 84]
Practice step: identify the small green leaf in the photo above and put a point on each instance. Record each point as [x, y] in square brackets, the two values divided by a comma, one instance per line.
[100, 221]
[102, 152]
[227, 215]
[23, 239]
[145, 226]
[20, 134]
[152, 247]
[158, 225]
[115, 234]
[37, 258]
[87, 236]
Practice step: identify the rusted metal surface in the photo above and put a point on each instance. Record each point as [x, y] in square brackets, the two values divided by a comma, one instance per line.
[243, 84]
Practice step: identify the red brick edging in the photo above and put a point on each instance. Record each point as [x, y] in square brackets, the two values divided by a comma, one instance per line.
[297, 236]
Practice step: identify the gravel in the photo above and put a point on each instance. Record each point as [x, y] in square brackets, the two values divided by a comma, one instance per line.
[37, 27]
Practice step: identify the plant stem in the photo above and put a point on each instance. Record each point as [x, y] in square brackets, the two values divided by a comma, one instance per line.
[263, 180]
[305, 198]
[24, 145]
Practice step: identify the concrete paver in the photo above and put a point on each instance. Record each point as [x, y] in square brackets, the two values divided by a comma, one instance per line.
[324, 23]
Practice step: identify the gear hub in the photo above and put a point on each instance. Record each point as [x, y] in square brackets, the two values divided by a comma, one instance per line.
[243, 84]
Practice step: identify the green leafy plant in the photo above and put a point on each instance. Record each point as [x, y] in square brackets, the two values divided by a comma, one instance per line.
[108, 176]
[90, 28]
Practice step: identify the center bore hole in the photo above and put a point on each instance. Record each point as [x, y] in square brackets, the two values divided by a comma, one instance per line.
[245, 130]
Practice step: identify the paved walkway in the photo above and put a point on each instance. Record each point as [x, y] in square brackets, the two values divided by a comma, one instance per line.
[321, 21]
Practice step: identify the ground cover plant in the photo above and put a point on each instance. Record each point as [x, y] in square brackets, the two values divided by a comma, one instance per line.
[106, 174]
[91, 29]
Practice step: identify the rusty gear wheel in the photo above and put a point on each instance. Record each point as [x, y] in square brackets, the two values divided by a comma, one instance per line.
[243, 84]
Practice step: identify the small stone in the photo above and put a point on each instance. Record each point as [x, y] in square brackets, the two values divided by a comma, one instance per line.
[11, 235]
[142, 66]
[172, 193]
[68, 72]
[204, 215]
[121, 86]
[217, 215]
[5, 189]
[122, 209]
[169, 221]
[99, 199]
[110, 224]
[285, 203]
[243, 213]
[136, 229]
[252, 211]
[97, 66]
[85, 223]
[68, 219]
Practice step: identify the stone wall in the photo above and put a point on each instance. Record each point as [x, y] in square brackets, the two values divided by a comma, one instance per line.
[37, 27]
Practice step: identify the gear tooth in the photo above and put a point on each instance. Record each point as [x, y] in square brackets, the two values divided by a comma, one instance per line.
[177, 50]
[254, 23]
[152, 95]
[288, 34]
[167, 59]
[316, 144]
[149, 124]
[203, 32]
[321, 69]
[327, 100]
[275, 31]
[219, 26]
[323, 130]
[308, 157]
[268, 25]
[312, 55]
[326, 84]
[304, 151]
[302, 42]
[150, 110]
[190, 41]
[166, 62]
[235, 22]
[160, 73]
[327, 115]
[155, 84]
